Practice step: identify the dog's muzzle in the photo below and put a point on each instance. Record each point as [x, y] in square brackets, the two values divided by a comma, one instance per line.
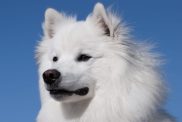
[52, 76]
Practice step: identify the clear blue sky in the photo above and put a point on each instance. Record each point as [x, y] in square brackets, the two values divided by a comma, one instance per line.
[157, 21]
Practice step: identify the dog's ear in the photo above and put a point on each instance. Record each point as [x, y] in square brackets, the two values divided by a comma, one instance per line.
[100, 16]
[52, 19]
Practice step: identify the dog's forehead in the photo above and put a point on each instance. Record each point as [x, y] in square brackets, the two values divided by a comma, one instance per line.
[74, 31]
[75, 35]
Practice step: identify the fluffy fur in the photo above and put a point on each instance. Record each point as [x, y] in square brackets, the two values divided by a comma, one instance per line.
[123, 76]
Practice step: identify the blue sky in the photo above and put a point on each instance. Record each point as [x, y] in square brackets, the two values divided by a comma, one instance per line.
[156, 21]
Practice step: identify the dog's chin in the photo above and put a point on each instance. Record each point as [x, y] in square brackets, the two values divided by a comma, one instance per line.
[61, 97]
[68, 95]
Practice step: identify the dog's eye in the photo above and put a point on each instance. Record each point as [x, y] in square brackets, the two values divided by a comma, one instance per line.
[55, 58]
[83, 57]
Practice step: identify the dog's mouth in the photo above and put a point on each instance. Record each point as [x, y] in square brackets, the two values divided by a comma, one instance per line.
[81, 92]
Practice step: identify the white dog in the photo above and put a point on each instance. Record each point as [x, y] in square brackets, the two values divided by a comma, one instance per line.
[92, 71]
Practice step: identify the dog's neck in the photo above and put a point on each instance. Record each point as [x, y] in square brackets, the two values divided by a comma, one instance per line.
[97, 109]
[73, 110]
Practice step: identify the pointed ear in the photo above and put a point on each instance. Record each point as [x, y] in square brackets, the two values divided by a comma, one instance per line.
[52, 19]
[100, 16]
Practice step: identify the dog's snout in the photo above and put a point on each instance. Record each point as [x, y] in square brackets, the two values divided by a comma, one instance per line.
[50, 76]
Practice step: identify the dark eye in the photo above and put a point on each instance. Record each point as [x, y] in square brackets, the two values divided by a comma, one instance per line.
[55, 58]
[83, 57]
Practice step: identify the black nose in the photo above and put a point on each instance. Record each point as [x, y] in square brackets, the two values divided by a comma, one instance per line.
[50, 76]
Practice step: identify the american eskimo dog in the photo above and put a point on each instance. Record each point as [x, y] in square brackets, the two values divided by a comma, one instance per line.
[92, 71]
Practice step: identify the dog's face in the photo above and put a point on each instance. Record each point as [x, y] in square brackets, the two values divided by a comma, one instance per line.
[70, 59]
[73, 54]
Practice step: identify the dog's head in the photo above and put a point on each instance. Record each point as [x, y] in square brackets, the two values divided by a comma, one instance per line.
[75, 56]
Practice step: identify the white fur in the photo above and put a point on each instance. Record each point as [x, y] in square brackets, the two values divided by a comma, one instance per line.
[123, 76]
